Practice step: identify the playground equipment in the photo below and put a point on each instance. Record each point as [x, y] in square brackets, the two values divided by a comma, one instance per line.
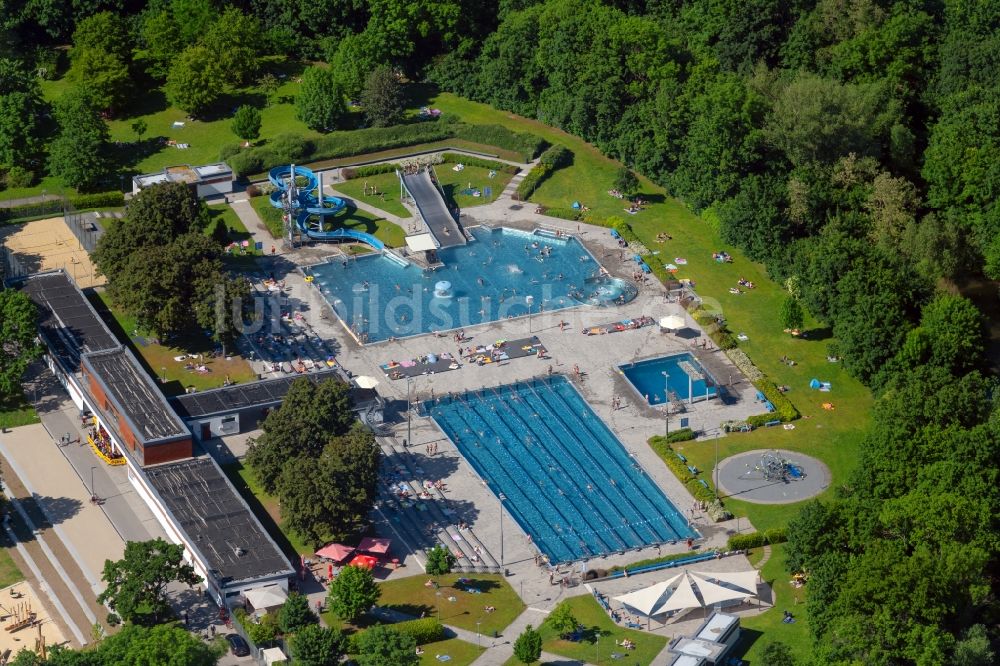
[773, 467]
[23, 617]
[306, 212]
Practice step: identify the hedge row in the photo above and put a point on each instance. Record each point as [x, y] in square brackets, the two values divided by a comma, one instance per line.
[573, 214]
[757, 539]
[368, 170]
[658, 267]
[624, 230]
[525, 145]
[469, 160]
[425, 630]
[680, 469]
[288, 148]
[719, 334]
[553, 158]
[784, 410]
[682, 435]
[55, 206]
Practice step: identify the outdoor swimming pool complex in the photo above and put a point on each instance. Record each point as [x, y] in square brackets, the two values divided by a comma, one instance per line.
[379, 296]
[567, 480]
[685, 377]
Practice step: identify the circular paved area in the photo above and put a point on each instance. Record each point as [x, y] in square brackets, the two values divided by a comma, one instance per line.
[741, 478]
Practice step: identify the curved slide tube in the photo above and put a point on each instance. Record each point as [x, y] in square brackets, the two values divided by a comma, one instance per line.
[309, 205]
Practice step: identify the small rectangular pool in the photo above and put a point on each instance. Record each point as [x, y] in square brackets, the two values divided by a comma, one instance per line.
[674, 378]
[566, 478]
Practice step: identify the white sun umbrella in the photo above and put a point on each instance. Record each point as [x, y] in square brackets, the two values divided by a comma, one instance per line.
[672, 322]
[366, 382]
[744, 580]
[647, 600]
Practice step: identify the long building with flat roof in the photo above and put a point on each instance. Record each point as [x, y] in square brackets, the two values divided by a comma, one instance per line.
[192, 499]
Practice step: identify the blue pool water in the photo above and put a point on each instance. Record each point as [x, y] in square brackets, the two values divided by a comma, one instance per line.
[379, 296]
[647, 378]
[568, 481]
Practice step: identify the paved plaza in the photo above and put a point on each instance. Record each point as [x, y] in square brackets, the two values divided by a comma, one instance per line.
[746, 477]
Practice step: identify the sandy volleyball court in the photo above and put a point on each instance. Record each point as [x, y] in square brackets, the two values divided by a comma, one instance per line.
[46, 245]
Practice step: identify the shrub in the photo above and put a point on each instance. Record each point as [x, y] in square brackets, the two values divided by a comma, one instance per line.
[228, 151]
[424, 630]
[658, 267]
[564, 213]
[699, 490]
[746, 366]
[469, 160]
[784, 410]
[553, 158]
[368, 170]
[253, 191]
[98, 200]
[757, 539]
[288, 148]
[682, 435]
[248, 162]
[20, 177]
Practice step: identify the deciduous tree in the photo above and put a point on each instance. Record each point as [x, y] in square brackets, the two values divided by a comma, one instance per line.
[352, 593]
[384, 646]
[195, 81]
[382, 97]
[18, 346]
[80, 153]
[320, 101]
[562, 620]
[314, 645]
[137, 584]
[21, 111]
[528, 646]
[246, 123]
[295, 613]
[439, 561]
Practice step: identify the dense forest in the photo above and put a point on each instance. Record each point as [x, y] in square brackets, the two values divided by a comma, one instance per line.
[853, 146]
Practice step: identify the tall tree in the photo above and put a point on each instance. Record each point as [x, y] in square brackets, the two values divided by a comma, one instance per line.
[320, 101]
[18, 345]
[295, 613]
[195, 81]
[302, 426]
[382, 97]
[528, 646]
[330, 497]
[21, 112]
[235, 40]
[246, 123]
[353, 592]
[80, 153]
[136, 588]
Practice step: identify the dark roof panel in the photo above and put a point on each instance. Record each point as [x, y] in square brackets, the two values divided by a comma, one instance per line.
[241, 396]
[217, 520]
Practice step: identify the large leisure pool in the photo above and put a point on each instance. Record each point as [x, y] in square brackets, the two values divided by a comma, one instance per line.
[494, 277]
[567, 480]
[684, 376]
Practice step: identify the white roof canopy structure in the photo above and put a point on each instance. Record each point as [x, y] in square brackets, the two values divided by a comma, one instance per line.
[691, 590]
[263, 598]
[274, 655]
[421, 243]
[672, 322]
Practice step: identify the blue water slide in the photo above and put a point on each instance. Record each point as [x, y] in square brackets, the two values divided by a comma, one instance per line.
[308, 205]
[336, 234]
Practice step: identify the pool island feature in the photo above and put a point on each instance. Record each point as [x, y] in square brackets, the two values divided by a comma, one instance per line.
[502, 273]
[674, 378]
[563, 475]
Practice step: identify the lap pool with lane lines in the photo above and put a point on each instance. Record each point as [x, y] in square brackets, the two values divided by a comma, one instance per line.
[567, 479]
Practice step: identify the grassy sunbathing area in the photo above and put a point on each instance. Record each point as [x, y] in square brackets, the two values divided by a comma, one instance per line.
[459, 186]
[383, 192]
[601, 638]
[830, 435]
[160, 360]
[795, 634]
[452, 601]
[460, 652]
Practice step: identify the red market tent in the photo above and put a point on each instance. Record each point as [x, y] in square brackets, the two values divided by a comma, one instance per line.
[335, 551]
[374, 545]
[366, 561]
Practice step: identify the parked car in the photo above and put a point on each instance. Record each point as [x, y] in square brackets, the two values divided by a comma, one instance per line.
[238, 645]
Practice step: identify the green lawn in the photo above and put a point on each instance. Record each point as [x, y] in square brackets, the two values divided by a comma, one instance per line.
[769, 623]
[455, 183]
[237, 234]
[17, 412]
[159, 360]
[269, 215]
[461, 653]
[409, 595]
[9, 573]
[386, 184]
[267, 510]
[832, 436]
[596, 623]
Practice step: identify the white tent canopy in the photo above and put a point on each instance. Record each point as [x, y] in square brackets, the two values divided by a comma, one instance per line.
[744, 580]
[263, 598]
[691, 590]
[366, 382]
[421, 243]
